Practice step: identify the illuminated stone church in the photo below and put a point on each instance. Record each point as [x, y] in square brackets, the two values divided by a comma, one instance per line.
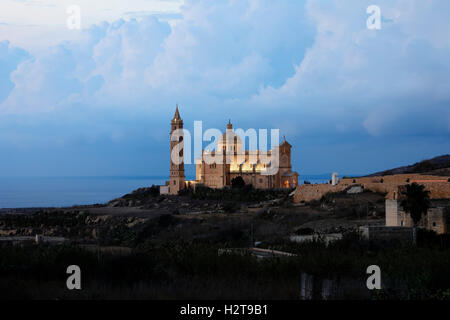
[240, 163]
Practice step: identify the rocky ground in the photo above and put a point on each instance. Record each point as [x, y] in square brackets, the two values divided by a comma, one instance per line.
[144, 215]
[195, 246]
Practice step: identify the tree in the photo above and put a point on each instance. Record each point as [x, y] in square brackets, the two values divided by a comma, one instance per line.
[238, 182]
[416, 203]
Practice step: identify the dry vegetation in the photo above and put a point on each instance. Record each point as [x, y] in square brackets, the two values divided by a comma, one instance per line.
[172, 245]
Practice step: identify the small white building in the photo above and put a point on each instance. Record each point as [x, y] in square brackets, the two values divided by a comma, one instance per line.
[334, 179]
[163, 189]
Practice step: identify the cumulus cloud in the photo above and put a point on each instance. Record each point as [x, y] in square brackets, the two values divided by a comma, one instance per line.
[350, 70]
[308, 62]
[10, 58]
[222, 50]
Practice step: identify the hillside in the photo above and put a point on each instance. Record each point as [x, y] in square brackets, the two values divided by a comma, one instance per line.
[435, 166]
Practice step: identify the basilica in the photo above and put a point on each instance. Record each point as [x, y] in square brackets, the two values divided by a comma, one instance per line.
[241, 163]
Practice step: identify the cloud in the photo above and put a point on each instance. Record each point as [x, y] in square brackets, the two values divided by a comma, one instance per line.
[10, 58]
[351, 70]
[318, 57]
[233, 47]
[215, 50]
[310, 68]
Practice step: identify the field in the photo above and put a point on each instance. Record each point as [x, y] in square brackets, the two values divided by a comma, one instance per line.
[147, 246]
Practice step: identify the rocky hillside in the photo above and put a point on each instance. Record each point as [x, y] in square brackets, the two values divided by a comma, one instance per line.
[435, 166]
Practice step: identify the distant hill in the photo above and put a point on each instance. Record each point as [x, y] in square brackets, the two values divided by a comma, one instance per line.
[439, 166]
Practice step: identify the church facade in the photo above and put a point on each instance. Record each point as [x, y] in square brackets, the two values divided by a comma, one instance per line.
[233, 161]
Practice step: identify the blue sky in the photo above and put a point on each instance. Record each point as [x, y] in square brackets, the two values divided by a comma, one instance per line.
[98, 101]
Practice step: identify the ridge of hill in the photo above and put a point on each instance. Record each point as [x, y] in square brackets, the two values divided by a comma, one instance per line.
[439, 166]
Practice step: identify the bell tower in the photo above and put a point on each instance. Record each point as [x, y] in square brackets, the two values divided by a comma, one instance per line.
[176, 170]
[285, 155]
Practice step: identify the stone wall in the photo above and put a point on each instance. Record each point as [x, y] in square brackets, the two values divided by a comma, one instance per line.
[382, 233]
[438, 190]
[309, 192]
[338, 288]
[392, 209]
[436, 218]
[439, 187]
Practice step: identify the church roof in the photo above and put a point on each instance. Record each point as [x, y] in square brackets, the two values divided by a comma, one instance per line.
[229, 125]
[289, 174]
[285, 142]
[177, 115]
[231, 135]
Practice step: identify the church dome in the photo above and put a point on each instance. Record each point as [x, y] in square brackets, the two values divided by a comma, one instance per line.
[230, 140]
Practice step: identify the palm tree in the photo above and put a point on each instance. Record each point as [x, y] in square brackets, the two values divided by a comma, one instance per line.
[416, 203]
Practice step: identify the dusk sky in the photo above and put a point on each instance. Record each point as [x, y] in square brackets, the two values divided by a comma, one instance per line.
[98, 101]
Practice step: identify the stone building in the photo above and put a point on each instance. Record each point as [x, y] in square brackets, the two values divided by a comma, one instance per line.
[233, 161]
[436, 219]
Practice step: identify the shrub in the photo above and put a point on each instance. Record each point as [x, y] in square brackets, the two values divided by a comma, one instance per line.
[230, 207]
[166, 220]
[238, 183]
[304, 231]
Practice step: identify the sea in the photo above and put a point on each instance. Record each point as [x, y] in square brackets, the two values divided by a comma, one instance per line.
[36, 192]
